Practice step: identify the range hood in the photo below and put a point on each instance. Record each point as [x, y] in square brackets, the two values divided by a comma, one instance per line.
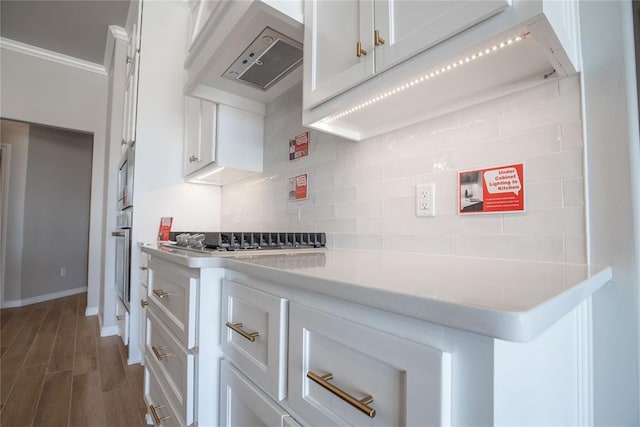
[247, 53]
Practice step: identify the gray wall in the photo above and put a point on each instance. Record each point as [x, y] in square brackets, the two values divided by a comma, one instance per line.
[56, 211]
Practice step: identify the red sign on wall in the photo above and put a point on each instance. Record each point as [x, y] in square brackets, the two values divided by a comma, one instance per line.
[299, 146]
[298, 187]
[499, 189]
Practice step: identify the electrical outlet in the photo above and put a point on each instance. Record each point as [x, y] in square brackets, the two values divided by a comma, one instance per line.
[426, 199]
[63, 271]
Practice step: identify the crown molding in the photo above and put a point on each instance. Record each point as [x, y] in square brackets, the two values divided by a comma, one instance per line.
[49, 55]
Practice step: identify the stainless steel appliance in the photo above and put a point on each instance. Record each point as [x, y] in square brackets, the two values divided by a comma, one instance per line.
[125, 178]
[123, 256]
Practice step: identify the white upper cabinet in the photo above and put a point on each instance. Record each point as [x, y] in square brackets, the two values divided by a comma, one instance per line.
[407, 27]
[346, 42]
[331, 62]
[426, 58]
[221, 143]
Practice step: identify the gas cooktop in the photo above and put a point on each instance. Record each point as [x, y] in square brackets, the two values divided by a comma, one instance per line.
[247, 241]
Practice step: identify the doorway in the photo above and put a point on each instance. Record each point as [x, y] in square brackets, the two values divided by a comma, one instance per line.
[5, 164]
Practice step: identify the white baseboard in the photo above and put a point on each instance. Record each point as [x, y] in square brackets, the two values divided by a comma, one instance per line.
[91, 311]
[107, 331]
[43, 298]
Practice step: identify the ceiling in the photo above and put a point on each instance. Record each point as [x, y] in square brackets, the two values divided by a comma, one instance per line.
[76, 28]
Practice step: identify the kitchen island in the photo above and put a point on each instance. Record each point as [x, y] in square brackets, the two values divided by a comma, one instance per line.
[462, 340]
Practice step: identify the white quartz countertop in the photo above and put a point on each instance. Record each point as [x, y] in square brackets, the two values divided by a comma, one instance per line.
[504, 299]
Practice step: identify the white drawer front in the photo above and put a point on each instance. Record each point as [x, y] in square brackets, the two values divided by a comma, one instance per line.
[263, 359]
[158, 404]
[176, 366]
[173, 297]
[408, 382]
[243, 404]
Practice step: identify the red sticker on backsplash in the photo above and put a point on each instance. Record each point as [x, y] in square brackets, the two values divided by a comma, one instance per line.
[492, 190]
[298, 187]
[299, 146]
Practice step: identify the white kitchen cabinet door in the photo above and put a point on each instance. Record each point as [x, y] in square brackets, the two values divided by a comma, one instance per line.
[408, 27]
[243, 404]
[191, 135]
[332, 29]
[200, 134]
[391, 381]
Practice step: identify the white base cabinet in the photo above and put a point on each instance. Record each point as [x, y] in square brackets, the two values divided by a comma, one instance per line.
[316, 360]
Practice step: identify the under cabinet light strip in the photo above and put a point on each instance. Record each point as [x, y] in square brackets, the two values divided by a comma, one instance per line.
[428, 76]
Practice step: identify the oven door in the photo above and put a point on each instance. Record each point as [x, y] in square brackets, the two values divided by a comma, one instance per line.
[123, 253]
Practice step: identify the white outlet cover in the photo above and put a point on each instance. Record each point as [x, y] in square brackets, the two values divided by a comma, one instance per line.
[426, 200]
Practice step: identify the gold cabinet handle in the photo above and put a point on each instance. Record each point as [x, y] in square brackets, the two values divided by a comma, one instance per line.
[120, 317]
[154, 413]
[193, 159]
[160, 355]
[143, 303]
[144, 268]
[359, 50]
[361, 404]
[377, 40]
[161, 293]
[237, 327]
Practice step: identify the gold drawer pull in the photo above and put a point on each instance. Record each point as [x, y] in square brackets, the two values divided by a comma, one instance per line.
[144, 268]
[193, 159]
[143, 303]
[323, 381]
[159, 354]
[359, 50]
[377, 40]
[251, 336]
[161, 293]
[120, 317]
[154, 413]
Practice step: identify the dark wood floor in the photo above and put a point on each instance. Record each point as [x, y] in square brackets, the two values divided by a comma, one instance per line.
[56, 370]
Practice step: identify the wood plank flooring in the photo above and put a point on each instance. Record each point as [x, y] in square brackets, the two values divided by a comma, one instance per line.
[56, 370]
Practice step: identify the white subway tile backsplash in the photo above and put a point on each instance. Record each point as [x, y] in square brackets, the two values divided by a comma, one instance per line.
[557, 110]
[371, 209]
[546, 194]
[559, 221]
[426, 244]
[535, 95]
[408, 167]
[358, 241]
[535, 248]
[571, 136]
[575, 249]
[566, 164]
[573, 191]
[363, 194]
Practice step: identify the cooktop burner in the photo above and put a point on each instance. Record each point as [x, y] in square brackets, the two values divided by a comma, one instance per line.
[232, 241]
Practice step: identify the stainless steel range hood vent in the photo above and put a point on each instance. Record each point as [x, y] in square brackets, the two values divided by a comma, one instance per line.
[269, 58]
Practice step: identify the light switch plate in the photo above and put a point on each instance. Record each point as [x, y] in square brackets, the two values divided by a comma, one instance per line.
[426, 200]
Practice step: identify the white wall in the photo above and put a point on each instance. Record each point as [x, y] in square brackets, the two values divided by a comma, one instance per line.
[613, 166]
[16, 135]
[363, 194]
[49, 93]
